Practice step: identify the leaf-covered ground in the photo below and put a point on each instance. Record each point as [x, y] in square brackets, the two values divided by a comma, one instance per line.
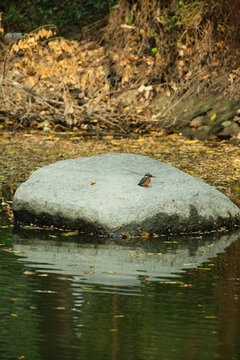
[128, 84]
[216, 163]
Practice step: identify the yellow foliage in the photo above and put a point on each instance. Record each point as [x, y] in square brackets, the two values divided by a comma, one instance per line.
[1, 28]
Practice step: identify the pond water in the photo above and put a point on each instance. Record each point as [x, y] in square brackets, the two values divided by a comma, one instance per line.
[168, 298]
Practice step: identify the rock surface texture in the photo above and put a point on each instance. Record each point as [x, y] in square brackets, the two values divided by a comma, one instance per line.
[100, 194]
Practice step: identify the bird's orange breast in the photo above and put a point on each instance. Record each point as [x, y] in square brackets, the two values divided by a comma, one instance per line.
[146, 182]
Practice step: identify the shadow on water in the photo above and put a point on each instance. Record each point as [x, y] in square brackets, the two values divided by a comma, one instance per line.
[164, 298]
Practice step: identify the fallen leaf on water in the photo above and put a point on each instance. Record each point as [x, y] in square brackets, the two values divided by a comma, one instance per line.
[144, 234]
[45, 291]
[70, 233]
[65, 278]
[86, 288]
[14, 315]
[191, 264]
[59, 308]
[94, 182]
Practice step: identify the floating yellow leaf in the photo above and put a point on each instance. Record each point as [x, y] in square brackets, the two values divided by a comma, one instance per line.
[94, 182]
[213, 116]
[70, 233]
[111, 272]
[14, 315]
[87, 288]
[65, 278]
[144, 234]
[45, 291]
[59, 308]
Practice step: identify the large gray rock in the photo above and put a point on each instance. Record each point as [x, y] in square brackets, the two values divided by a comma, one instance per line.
[61, 194]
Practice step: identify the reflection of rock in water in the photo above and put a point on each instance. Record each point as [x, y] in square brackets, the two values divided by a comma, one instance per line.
[114, 264]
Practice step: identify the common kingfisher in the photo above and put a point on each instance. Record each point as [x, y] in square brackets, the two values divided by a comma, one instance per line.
[145, 180]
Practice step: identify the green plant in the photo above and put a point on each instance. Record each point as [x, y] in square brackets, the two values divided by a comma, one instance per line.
[25, 16]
